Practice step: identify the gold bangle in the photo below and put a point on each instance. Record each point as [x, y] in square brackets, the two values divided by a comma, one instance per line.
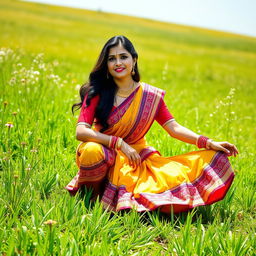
[119, 143]
[110, 140]
[116, 143]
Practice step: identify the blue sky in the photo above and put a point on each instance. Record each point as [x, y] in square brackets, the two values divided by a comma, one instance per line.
[238, 16]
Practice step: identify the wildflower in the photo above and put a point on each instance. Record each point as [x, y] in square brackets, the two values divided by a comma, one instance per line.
[14, 113]
[50, 222]
[9, 124]
[19, 252]
[23, 80]
[23, 143]
[39, 139]
[42, 66]
[28, 168]
[5, 103]
[15, 176]
[232, 91]
[12, 81]
[240, 215]
[34, 150]
[55, 63]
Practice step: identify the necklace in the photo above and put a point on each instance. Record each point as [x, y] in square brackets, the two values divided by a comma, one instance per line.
[125, 93]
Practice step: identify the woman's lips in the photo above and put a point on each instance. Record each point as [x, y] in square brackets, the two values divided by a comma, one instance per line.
[119, 69]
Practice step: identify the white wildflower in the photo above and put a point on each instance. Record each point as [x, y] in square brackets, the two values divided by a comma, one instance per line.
[42, 66]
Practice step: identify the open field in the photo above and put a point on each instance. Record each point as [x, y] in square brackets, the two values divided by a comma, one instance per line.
[46, 53]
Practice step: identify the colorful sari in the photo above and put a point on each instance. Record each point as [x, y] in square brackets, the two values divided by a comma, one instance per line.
[176, 183]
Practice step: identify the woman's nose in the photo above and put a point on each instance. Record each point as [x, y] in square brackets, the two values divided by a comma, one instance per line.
[118, 61]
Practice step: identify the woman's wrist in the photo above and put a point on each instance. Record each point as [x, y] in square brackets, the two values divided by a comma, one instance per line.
[115, 142]
[203, 142]
[209, 143]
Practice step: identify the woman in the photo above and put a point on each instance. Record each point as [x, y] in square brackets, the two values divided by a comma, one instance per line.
[122, 110]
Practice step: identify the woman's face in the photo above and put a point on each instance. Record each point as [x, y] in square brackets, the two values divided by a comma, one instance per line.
[120, 62]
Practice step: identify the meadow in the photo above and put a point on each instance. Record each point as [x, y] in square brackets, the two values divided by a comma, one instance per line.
[46, 53]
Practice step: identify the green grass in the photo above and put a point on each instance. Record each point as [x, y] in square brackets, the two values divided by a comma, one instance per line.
[46, 53]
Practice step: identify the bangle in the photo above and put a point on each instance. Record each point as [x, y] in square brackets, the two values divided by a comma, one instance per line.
[109, 142]
[119, 143]
[202, 141]
[112, 141]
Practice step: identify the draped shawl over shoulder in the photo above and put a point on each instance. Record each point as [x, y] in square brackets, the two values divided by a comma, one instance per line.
[132, 119]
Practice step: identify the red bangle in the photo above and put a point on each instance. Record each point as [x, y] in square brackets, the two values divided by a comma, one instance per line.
[112, 142]
[201, 141]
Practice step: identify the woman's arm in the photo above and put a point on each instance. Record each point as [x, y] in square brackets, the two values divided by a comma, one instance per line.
[180, 132]
[184, 134]
[85, 134]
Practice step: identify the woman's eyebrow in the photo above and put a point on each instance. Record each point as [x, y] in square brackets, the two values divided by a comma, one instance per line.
[123, 53]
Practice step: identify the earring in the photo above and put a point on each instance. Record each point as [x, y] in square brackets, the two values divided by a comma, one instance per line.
[133, 72]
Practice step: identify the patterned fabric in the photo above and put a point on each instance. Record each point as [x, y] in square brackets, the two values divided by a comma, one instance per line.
[209, 187]
[121, 109]
[93, 161]
[175, 183]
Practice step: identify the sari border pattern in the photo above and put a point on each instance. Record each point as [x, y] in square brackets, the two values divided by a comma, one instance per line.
[208, 188]
[121, 109]
[94, 172]
[146, 114]
[146, 152]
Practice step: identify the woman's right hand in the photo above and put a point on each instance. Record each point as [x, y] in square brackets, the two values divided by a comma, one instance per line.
[131, 153]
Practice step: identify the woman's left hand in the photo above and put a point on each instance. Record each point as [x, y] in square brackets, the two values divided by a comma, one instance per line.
[225, 146]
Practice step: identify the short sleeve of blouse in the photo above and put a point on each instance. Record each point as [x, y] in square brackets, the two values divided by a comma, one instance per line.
[163, 115]
[87, 113]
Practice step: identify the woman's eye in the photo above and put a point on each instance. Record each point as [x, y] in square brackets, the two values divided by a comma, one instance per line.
[124, 57]
[111, 59]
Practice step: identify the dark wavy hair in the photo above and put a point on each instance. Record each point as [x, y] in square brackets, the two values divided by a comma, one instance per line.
[101, 82]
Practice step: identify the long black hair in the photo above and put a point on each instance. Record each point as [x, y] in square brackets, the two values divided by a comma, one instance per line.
[101, 82]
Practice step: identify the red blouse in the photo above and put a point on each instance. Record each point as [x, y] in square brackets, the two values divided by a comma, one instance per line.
[87, 113]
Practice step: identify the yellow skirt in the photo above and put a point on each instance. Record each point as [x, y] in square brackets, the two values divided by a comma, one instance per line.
[176, 183]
